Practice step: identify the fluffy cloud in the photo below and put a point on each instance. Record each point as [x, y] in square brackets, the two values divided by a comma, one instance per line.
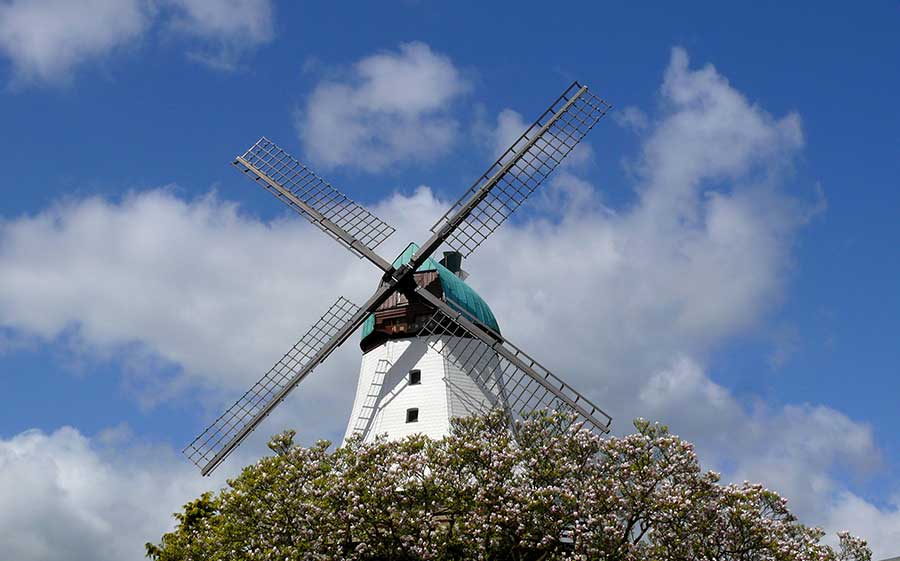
[391, 109]
[498, 136]
[881, 526]
[65, 496]
[172, 277]
[194, 284]
[47, 39]
[632, 118]
[510, 125]
[701, 256]
[626, 303]
[233, 27]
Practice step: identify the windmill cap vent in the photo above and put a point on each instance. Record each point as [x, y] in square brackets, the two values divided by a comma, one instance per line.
[452, 260]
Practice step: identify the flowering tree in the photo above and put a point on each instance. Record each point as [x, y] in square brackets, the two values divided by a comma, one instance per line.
[551, 492]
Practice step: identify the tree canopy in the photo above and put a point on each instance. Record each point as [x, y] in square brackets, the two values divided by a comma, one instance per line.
[552, 491]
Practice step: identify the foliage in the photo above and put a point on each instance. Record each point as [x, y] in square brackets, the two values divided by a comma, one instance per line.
[552, 492]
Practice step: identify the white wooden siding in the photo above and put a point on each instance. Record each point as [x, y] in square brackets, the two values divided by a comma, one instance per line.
[445, 391]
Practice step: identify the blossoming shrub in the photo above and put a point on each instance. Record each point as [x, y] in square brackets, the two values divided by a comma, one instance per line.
[552, 492]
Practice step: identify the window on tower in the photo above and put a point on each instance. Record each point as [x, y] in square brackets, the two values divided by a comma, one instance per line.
[415, 377]
[412, 415]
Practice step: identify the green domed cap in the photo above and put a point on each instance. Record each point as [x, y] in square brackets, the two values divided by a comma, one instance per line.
[457, 293]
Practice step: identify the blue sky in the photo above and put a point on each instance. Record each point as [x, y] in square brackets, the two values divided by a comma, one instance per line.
[732, 226]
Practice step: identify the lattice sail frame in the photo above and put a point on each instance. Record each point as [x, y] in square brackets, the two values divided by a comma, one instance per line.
[271, 387]
[505, 370]
[270, 160]
[504, 383]
[536, 163]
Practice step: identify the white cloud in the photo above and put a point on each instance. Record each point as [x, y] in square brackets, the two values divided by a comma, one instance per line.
[233, 27]
[499, 136]
[65, 496]
[880, 526]
[47, 39]
[631, 117]
[393, 108]
[646, 292]
[172, 276]
[627, 304]
[510, 126]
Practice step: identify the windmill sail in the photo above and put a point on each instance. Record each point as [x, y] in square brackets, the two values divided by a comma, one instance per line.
[314, 198]
[220, 438]
[521, 169]
[520, 383]
[508, 376]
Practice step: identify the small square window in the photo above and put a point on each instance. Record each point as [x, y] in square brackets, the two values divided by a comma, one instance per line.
[415, 377]
[412, 415]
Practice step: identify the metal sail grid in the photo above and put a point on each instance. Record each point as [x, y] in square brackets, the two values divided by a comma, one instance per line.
[537, 161]
[205, 447]
[518, 391]
[279, 166]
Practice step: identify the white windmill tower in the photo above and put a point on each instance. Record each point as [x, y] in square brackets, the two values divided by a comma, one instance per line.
[406, 384]
[432, 348]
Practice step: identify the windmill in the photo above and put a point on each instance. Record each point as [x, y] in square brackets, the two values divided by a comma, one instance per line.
[488, 369]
